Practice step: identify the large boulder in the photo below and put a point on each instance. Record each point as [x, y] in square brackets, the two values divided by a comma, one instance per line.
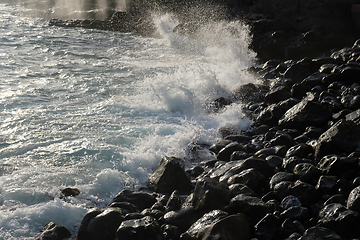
[304, 114]
[233, 227]
[169, 176]
[343, 136]
[146, 228]
[141, 200]
[209, 194]
[54, 231]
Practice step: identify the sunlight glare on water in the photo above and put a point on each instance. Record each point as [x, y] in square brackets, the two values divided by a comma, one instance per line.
[97, 110]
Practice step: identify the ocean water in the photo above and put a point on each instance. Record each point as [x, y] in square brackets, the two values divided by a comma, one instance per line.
[96, 110]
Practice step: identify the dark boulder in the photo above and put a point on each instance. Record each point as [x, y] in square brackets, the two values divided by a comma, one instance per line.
[205, 221]
[301, 150]
[279, 177]
[343, 167]
[104, 225]
[307, 172]
[225, 153]
[277, 94]
[343, 136]
[146, 228]
[54, 231]
[209, 194]
[141, 200]
[266, 228]
[304, 114]
[326, 184]
[270, 115]
[233, 227]
[296, 213]
[70, 192]
[174, 202]
[248, 93]
[182, 218]
[253, 207]
[83, 233]
[299, 70]
[251, 178]
[169, 176]
[353, 202]
[170, 232]
[260, 165]
[320, 233]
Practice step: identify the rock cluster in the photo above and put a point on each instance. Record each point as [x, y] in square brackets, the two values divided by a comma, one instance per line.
[294, 175]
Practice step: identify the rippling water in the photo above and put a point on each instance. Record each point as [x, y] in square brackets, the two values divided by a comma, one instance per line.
[97, 110]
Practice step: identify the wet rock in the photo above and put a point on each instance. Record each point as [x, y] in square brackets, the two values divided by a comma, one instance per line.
[299, 70]
[314, 79]
[126, 207]
[283, 189]
[279, 177]
[170, 232]
[289, 163]
[277, 94]
[253, 207]
[237, 188]
[169, 176]
[271, 115]
[304, 114]
[281, 139]
[337, 198]
[155, 213]
[288, 227]
[301, 150]
[306, 172]
[320, 233]
[205, 221]
[274, 161]
[141, 200]
[182, 218]
[139, 229]
[70, 192]
[239, 155]
[260, 165]
[353, 201]
[225, 153]
[83, 233]
[216, 147]
[234, 227]
[296, 213]
[343, 136]
[335, 216]
[251, 178]
[105, 224]
[306, 193]
[209, 194]
[247, 93]
[219, 104]
[266, 228]
[290, 201]
[299, 90]
[54, 231]
[326, 184]
[343, 167]
[174, 202]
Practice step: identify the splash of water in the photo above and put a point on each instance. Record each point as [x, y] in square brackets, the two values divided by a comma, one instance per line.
[72, 9]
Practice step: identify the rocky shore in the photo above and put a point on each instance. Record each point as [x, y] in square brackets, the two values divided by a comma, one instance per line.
[294, 175]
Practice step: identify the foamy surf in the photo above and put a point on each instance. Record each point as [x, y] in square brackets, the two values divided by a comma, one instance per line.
[97, 110]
